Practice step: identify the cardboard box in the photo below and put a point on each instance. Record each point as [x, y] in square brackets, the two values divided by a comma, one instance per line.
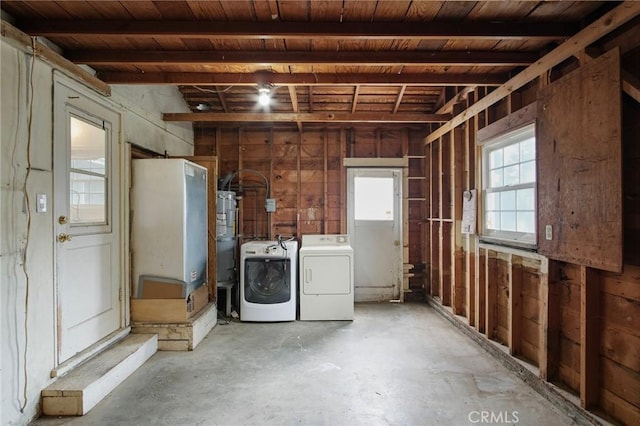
[168, 311]
[160, 288]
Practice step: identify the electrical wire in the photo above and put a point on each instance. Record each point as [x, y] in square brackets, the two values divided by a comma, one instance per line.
[266, 181]
[28, 230]
[225, 90]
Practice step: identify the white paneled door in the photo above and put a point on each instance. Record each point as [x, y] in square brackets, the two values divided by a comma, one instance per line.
[86, 220]
[375, 227]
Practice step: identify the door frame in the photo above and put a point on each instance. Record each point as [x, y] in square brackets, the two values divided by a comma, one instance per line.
[402, 165]
[120, 178]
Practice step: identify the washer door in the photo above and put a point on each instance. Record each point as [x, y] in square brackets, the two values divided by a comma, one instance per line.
[267, 280]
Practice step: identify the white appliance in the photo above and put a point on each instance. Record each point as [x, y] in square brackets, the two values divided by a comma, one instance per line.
[326, 278]
[268, 273]
[169, 224]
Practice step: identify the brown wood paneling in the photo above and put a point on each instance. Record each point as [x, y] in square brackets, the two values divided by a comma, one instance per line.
[579, 166]
[569, 353]
[631, 158]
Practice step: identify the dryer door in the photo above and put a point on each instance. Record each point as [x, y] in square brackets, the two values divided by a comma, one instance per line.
[267, 280]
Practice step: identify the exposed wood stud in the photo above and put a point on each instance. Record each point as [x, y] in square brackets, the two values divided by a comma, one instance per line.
[481, 288]
[294, 104]
[490, 294]
[457, 250]
[515, 305]
[549, 323]
[343, 182]
[220, 93]
[299, 139]
[354, 103]
[325, 181]
[399, 100]
[631, 85]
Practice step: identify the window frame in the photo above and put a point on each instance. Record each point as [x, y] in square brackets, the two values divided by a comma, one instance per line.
[495, 136]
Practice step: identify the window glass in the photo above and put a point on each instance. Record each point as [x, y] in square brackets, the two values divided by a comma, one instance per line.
[88, 177]
[373, 198]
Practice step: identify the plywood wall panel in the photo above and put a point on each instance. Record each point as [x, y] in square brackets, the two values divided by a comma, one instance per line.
[580, 166]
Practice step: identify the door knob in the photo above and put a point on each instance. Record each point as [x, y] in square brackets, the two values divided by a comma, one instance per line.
[63, 220]
[63, 238]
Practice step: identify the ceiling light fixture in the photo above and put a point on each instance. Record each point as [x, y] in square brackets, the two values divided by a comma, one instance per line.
[203, 106]
[264, 97]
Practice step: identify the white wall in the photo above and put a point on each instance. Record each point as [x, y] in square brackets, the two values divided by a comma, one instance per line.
[22, 229]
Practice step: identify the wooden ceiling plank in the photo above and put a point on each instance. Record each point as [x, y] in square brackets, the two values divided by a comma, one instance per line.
[392, 11]
[590, 34]
[178, 10]
[295, 30]
[308, 79]
[109, 10]
[326, 10]
[460, 57]
[206, 9]
[327, 117]
[142, 9]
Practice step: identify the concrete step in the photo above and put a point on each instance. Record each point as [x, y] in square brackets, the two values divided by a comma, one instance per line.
[82, 388]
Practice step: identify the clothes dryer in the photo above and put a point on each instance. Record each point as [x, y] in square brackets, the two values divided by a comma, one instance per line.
[326, 278]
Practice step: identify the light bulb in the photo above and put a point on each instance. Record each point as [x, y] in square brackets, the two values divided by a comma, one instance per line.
[263, 98]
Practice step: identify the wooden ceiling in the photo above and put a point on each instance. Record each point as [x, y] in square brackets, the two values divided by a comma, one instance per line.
[347, 60]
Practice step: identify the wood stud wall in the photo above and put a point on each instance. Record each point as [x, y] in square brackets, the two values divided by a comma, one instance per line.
[577, 324]
[308, 179]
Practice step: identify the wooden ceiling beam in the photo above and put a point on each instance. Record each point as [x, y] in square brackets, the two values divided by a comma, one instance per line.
[299, 30]
[590, 34]
[307, 79]
[261, 57]
[319, 117]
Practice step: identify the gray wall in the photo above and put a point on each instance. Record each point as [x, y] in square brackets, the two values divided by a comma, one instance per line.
[23, 231]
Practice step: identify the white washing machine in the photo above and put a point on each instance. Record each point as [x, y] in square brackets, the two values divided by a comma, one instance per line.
[268, 274]
[326, 278]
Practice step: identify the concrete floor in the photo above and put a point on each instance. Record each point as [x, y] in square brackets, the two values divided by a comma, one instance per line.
[396, 364]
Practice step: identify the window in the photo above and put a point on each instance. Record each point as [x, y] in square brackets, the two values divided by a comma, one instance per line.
[88, 173]
[509, 183]
[373, 198]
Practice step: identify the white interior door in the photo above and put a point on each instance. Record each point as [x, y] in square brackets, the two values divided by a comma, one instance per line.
[86, 220]
[375, 227]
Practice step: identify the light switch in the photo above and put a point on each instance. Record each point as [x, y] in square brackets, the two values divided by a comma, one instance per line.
[41, 203]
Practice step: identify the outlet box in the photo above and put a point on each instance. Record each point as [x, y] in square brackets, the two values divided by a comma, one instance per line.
[270, 205]
[548, 232]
